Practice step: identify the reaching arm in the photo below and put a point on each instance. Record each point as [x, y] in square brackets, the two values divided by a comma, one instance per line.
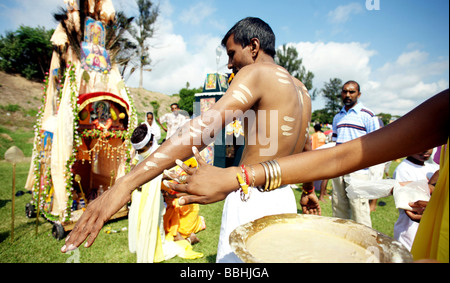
[198, 132]
[425, 127]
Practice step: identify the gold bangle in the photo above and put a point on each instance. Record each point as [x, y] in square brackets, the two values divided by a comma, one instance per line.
[279, 168]
[272, 175]
[272, 172]
[278, 174]
[266, 171]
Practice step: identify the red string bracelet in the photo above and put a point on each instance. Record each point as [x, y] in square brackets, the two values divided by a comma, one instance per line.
[247, 179]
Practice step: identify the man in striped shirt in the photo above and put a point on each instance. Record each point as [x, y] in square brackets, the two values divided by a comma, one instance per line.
[353, 121]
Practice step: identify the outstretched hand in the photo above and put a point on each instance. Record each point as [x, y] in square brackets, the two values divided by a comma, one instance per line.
[96, 215]
[204, 184]
[310, 204]
[418, 208]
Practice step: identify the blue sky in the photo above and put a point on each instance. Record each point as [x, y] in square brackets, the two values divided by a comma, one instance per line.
[399, 53]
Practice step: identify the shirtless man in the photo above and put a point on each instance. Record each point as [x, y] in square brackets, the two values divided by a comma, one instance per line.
[281, 107]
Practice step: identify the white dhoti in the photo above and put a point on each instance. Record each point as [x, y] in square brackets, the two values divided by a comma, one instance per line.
[236, 212]
[149, 223]
[145, 223]
[133, 215]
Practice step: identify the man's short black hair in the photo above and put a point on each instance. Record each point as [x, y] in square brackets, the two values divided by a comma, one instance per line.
[249, 28]
[352, 82]
[139, 134]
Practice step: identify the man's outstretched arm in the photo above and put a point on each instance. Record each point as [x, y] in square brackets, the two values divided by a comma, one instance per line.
[198, 132]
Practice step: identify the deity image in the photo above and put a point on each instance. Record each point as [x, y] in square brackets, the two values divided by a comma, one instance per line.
[93, 53]
[94, 57]
[211, 81]
[101, 116]
[94, 32]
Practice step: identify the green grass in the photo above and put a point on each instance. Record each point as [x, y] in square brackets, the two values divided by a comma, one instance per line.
[28, 247]
[23, 139]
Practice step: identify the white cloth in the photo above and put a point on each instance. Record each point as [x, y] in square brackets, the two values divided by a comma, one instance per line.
[143, 143]
[236, 212]
[151, 220]
[372, 187]
[133, 214]
[405, 229]
[145, 216]
[343, 207]
[62, 145]
[138, 158]
[156, 131]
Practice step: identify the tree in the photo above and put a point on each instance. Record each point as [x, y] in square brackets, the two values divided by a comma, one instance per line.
[287, 57]
[143, 29]
[322, 116]
[187, 98]
[27, 51]
[332, 94]
[385, 117]
[121, 48]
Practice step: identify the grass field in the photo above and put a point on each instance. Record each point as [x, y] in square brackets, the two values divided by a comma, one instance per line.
[16, 128]
[28, 247]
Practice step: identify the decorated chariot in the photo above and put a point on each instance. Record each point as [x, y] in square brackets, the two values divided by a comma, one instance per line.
[87, 116]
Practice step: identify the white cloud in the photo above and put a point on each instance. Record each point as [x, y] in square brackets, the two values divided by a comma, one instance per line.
[347, 61]
[174, 63]
[197, 13]
[411, 58]
[342, 13]
[396, 87]
[407, 82]
[30, 13]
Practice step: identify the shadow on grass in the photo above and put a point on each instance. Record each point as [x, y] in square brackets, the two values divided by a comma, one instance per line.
[3, 202]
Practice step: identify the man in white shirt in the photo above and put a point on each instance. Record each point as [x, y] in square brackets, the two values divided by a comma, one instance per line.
[173, 120]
